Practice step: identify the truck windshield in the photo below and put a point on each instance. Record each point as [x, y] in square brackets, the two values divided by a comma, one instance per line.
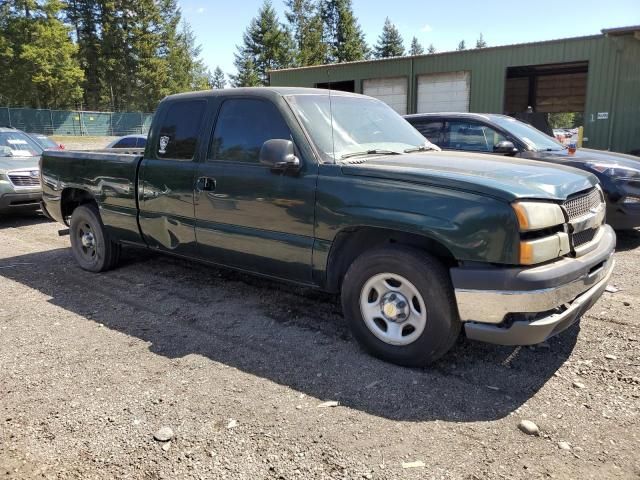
[17, 144]
[360, 126]
[534, 138]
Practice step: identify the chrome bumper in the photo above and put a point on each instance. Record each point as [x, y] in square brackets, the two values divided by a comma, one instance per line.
[491, 306]
[523, 306]
[537, 331]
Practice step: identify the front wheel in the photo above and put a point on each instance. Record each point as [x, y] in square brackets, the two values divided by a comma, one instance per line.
[399, 304]
[90, 242]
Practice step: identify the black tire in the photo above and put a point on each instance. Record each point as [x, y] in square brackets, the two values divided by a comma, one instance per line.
[105, 253]
[432, 281]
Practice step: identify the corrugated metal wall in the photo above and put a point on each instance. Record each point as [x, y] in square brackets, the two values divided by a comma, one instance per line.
[614, 71]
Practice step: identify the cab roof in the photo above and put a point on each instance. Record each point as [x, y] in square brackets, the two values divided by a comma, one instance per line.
[264, 92]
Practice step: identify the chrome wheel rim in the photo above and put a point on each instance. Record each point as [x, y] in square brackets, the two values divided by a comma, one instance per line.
[87, 241]
[393, 309]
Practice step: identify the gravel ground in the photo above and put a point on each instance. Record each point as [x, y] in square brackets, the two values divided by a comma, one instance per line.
[92, 366]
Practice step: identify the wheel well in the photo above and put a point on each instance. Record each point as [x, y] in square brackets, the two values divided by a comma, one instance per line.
[351, 243]
[71, 199]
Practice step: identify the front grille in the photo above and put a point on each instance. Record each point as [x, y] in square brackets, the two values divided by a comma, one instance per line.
[584, 236]
[581, 204]
[24, 179]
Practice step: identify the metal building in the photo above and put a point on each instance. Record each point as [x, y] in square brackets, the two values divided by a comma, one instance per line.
[598, 76]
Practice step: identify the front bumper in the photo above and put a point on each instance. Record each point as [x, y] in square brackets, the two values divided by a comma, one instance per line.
[12, 202]
[525, 306]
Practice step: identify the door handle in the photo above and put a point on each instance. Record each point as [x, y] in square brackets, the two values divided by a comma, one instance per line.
[206, 184]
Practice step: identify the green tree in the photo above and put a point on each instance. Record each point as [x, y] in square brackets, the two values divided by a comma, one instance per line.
[431, 50]
[84, 18]
[481, 43]
[38, 65]
[306, 25]
[562, 120]
[461, 46]
[343, 37]
[416, 48]
[219, 79]
[390, 42]
[247, 75]
[267, 43]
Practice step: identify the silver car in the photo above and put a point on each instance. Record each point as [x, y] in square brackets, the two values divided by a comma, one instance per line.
[19, 172]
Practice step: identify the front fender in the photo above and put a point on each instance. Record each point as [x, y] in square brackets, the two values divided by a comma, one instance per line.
[471, 226]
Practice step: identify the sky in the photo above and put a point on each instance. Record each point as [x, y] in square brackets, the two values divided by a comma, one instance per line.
[219, 24]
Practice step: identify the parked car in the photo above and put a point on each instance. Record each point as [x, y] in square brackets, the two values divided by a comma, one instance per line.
[19, 172]
[45, 142]
[336, 191]
[619, 174]
[129, 141]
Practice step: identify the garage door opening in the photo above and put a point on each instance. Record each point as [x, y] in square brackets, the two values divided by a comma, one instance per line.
[551, 97]
[344, 86]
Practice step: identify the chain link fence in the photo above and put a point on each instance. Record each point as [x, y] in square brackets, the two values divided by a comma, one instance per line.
[75, 122]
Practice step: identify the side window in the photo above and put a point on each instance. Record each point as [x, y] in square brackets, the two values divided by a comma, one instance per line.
[127, 142]
[471, 136]
[141, 142]
[431, 130]
[180, 129]
[243, 125]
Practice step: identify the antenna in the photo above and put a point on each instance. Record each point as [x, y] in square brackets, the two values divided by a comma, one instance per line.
[333, 142]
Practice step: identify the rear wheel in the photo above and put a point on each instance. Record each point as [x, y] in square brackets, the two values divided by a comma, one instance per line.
[92, 248]
[399, 304]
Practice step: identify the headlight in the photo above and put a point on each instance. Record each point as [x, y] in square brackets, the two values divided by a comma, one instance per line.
[537, 215]
[613, 170]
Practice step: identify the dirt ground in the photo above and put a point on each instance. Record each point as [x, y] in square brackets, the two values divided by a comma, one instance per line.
[91, 366]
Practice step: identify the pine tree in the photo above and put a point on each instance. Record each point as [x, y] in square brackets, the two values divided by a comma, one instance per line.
[306, 26]
[461, 46]
[480, 43]
[416, 48]
[38, 65]
[431, 50]
[343, 36]
[83, 16]
[218, 80]
[247, 75]
[390, 43]
[267, 43]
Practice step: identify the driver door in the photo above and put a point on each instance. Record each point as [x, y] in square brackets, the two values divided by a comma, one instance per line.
[247, 215]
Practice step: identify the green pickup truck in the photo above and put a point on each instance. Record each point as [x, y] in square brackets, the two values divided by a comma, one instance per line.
[336, 191]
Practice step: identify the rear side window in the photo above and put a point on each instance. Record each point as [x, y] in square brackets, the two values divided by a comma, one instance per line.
[141, 142]
[127, 142]
[430, 129]
[242, 127]
[180, 130]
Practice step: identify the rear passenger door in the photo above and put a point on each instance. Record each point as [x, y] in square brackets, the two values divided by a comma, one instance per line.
[167, 175]
[249, 216]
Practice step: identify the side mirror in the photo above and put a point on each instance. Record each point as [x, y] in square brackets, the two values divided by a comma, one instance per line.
[505, 148]
[278, 154]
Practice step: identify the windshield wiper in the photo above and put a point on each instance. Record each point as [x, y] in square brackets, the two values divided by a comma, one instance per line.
[370, 152]
[419, 148]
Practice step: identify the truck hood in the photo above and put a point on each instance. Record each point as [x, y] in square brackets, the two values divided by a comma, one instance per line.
[497, 176]
[19, 163]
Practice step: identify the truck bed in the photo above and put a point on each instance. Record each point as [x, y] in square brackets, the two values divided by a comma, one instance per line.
[111, 178]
